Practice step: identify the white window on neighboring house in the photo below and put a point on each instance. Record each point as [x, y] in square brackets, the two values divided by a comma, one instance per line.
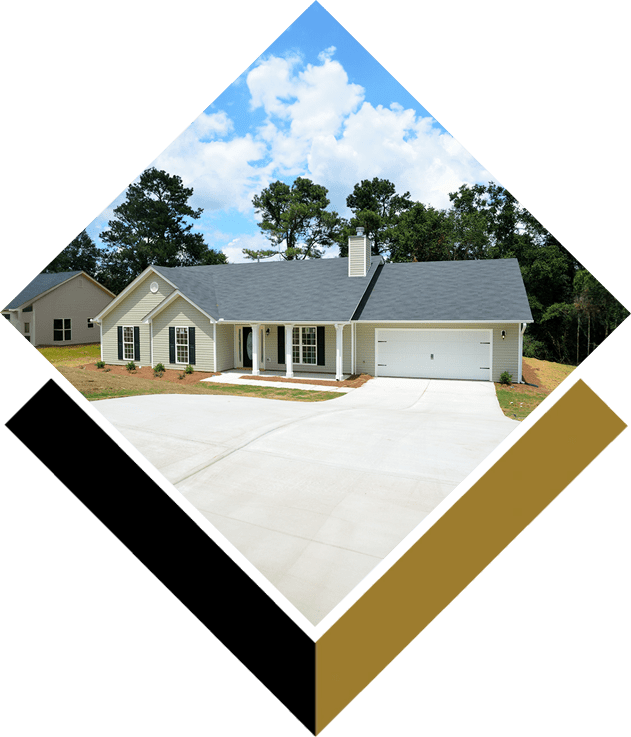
[181, 345]
[128, 343]
[27, 327]
[62, 329]
[304, 345]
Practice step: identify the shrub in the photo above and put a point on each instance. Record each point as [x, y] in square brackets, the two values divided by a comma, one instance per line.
[100, 364]
[506, 378]
[131, 366]
[188, 369]
[181, 376]
[158, 369]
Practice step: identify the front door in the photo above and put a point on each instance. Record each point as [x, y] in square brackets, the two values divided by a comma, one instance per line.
[247, 347]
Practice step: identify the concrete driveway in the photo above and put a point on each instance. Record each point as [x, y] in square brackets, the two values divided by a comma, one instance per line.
[315, 495]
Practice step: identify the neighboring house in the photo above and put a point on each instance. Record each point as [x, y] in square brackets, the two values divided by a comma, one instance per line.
[58, 308]
[448, 319]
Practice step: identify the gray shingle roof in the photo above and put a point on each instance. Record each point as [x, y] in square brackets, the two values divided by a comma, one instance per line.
[273, 291]
[42, 283]
[321, 290]
[449, 290]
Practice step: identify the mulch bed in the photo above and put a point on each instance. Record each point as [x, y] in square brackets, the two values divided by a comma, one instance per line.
[146, 372]
[353, 382]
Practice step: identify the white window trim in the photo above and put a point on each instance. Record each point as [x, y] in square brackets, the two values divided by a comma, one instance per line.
[188, 354]
[63, 329]
[300, 328]
[127, 342]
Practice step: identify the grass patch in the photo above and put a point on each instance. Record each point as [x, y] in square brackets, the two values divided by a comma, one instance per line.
[517, 401]
[71, 355]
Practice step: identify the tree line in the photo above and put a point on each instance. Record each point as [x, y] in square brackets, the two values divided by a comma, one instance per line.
[572, 311]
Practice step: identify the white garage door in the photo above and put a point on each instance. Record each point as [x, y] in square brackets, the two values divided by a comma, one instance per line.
[433, 354]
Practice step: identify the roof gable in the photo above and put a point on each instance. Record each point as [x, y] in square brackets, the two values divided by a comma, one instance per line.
[42, 283]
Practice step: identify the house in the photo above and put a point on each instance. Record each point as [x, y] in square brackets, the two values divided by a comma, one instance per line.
[450, 319]
[57, 309]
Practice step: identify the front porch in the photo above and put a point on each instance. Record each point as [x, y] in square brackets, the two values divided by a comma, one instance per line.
[291, 350]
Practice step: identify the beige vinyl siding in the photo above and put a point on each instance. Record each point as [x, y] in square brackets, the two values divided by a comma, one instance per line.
[359, 249]
[505, 352]
[77, 300]
[271, 351]
[130, 311]
[181, 313]
[225, 347]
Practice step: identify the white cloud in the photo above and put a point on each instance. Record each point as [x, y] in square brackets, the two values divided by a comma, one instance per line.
[317, 124]
[254, 242]
[221, 172]
[392, 143]
[301, 106]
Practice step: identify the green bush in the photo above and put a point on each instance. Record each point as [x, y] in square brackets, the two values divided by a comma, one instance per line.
[506, 378]
[131, 366]
[159, 369]
[100, 364]
[188, 369]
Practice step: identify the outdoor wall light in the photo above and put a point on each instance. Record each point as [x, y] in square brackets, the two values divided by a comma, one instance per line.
[267, 331]
[503, 334]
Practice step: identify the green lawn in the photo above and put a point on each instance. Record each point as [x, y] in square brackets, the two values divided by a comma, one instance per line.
[71, 354]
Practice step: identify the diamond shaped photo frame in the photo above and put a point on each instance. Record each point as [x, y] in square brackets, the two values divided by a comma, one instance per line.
[95, 449]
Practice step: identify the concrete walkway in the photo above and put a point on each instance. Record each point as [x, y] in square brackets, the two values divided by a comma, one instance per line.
[316, 494]
[237, 376]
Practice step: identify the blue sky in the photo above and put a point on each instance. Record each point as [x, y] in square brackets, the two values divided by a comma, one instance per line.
[316, 105]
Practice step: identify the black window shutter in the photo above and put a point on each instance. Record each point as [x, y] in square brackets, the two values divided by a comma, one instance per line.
[320, 344]
[191, 346]
[281, 344]
[120, 342]
[171, 345]
[136, 343]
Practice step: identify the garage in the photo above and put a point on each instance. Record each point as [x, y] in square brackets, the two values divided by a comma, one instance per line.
[434, 354]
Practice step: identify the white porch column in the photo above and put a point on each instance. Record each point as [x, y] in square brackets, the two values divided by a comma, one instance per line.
[289, 351]
[255, 350]
[339, 352]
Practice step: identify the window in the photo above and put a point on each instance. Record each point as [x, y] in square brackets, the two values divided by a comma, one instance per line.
[90, 324]
[62, 329]
[128, 344]
[181, 345]
[27, 327]
[304, 345]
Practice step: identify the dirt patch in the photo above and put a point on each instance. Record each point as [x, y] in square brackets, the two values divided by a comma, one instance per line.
[353, 382]
[146, 372]
[529, 374]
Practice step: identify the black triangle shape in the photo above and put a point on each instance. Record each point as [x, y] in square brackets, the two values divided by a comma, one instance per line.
[232, 606]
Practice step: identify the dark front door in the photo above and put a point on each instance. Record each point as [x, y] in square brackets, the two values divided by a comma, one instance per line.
[247, 347]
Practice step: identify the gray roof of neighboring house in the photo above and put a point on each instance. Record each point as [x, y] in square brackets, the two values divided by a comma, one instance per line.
[42, 283]
[273, 291]
[448, 290]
